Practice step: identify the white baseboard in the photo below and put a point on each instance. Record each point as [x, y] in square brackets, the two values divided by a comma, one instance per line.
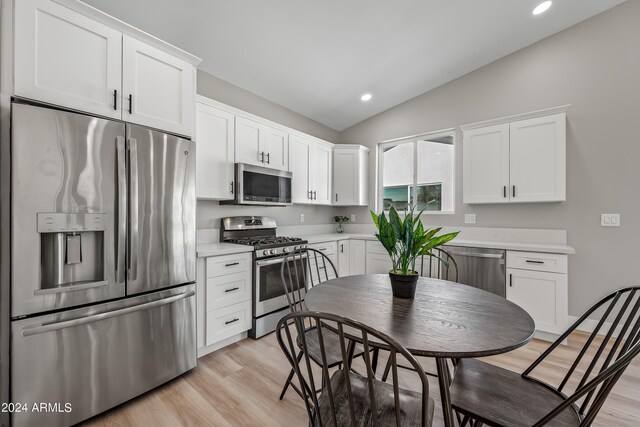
[203, 351]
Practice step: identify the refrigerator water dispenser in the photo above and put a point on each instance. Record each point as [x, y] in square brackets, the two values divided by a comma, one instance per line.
[71, 251]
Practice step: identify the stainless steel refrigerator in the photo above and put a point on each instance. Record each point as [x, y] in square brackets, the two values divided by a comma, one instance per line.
[102, 262]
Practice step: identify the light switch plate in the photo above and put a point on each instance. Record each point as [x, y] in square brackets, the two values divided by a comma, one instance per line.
[301, 217]
[353, 217]
[610, 220]
[469, 218]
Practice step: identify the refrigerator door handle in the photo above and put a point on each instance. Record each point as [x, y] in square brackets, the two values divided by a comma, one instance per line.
[36, 330]
[121, 225]
[133, 209]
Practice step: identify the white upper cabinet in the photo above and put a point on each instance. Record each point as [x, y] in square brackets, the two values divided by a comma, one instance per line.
[485, 157]
[350, 175]
[158, 88]
[249, 143]
[311, 165]
[537, 159]
[320, 173]
[276, 148]
[299, 151]
[261, 145]
[514, 161]
[74, 56]
[65, 58]
[215, 141]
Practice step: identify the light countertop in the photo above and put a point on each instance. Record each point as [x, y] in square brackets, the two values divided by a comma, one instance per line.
[510, 246]
[219, 248]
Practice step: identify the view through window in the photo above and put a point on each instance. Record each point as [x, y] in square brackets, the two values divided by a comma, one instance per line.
[418, 171]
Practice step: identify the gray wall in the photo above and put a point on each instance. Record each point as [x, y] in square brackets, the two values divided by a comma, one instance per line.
[595, 66]
[209, 212]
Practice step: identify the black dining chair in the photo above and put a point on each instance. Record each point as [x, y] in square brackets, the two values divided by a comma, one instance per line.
[301, 270]
[346, 397]
[486, 394]
[440, 266]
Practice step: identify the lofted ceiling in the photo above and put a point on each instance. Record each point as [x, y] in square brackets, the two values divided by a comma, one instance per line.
[318, 57]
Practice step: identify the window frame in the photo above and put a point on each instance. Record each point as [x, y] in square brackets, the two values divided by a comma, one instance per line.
[414, 139]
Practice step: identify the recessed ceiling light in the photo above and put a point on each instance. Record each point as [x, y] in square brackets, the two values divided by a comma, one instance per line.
[366, 97]
[542, 7]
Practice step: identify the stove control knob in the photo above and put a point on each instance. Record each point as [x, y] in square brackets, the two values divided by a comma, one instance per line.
[272, 251]
[265, 252]
[285, 250]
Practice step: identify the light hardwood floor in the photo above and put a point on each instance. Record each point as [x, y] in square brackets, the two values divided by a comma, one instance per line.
[240, 384]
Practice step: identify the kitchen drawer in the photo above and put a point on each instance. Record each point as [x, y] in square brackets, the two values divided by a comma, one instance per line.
[327, 248]
[227, 290]
[228, 264]
[552, 263]
[228, 321]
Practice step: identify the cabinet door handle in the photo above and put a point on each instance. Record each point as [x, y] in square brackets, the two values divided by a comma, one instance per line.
[315, 195]
[532, 261]
[504, 191]
[262, 157]
[232, 289]
[341, 248]
[336, 197]
[310, 196]
[232, 264]
[514, 191]
[268, 158]
[130, 103]
[322, 249]
[231, 321]
[231, 187]
[115, 99]
[511, 280]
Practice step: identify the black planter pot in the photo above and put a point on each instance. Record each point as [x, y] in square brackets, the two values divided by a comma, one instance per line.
[404, 286]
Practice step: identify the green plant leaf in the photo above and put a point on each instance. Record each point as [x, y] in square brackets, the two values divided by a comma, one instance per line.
[396, 222]
[375, 219]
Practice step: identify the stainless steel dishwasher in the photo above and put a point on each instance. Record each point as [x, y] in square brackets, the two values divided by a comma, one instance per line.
[481, 268]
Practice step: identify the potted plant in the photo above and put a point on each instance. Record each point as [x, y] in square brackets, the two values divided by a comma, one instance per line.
[340, 219]
[405, 241]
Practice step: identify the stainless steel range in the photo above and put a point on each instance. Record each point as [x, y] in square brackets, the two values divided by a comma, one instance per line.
[269, 252]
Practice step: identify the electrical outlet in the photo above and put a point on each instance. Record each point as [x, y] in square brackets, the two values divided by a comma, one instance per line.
[610, 220]
[301, 217]
[469, 218]
[353, 217]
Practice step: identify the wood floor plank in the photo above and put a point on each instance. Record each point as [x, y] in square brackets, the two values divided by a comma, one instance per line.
[240, 384]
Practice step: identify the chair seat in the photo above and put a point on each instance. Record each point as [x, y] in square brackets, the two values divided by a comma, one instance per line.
[331, 346]
[500, 397]
[410, 403]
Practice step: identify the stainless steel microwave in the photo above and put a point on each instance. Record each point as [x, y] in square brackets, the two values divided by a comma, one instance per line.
[256, 185]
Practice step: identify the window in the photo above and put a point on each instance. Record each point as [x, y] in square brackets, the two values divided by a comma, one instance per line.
[419, 171]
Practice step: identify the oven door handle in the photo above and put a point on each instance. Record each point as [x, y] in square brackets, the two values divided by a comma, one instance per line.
[275, 261]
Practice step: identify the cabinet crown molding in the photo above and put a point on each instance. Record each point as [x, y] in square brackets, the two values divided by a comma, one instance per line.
[123, 27]
[517, 117]
[351, 147]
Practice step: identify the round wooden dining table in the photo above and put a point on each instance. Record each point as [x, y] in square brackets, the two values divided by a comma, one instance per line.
[445, 320]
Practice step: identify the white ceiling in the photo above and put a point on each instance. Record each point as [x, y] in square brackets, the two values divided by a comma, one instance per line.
[318, 57]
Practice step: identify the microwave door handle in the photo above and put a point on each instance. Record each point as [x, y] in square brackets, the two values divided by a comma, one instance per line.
[133, 209]
[121, 225]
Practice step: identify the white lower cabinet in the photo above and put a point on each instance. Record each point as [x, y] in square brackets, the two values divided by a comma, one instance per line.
[330, 249]
[377, 258]
[357, 257]
[224, 299]
[344, 248]
[541, 288]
